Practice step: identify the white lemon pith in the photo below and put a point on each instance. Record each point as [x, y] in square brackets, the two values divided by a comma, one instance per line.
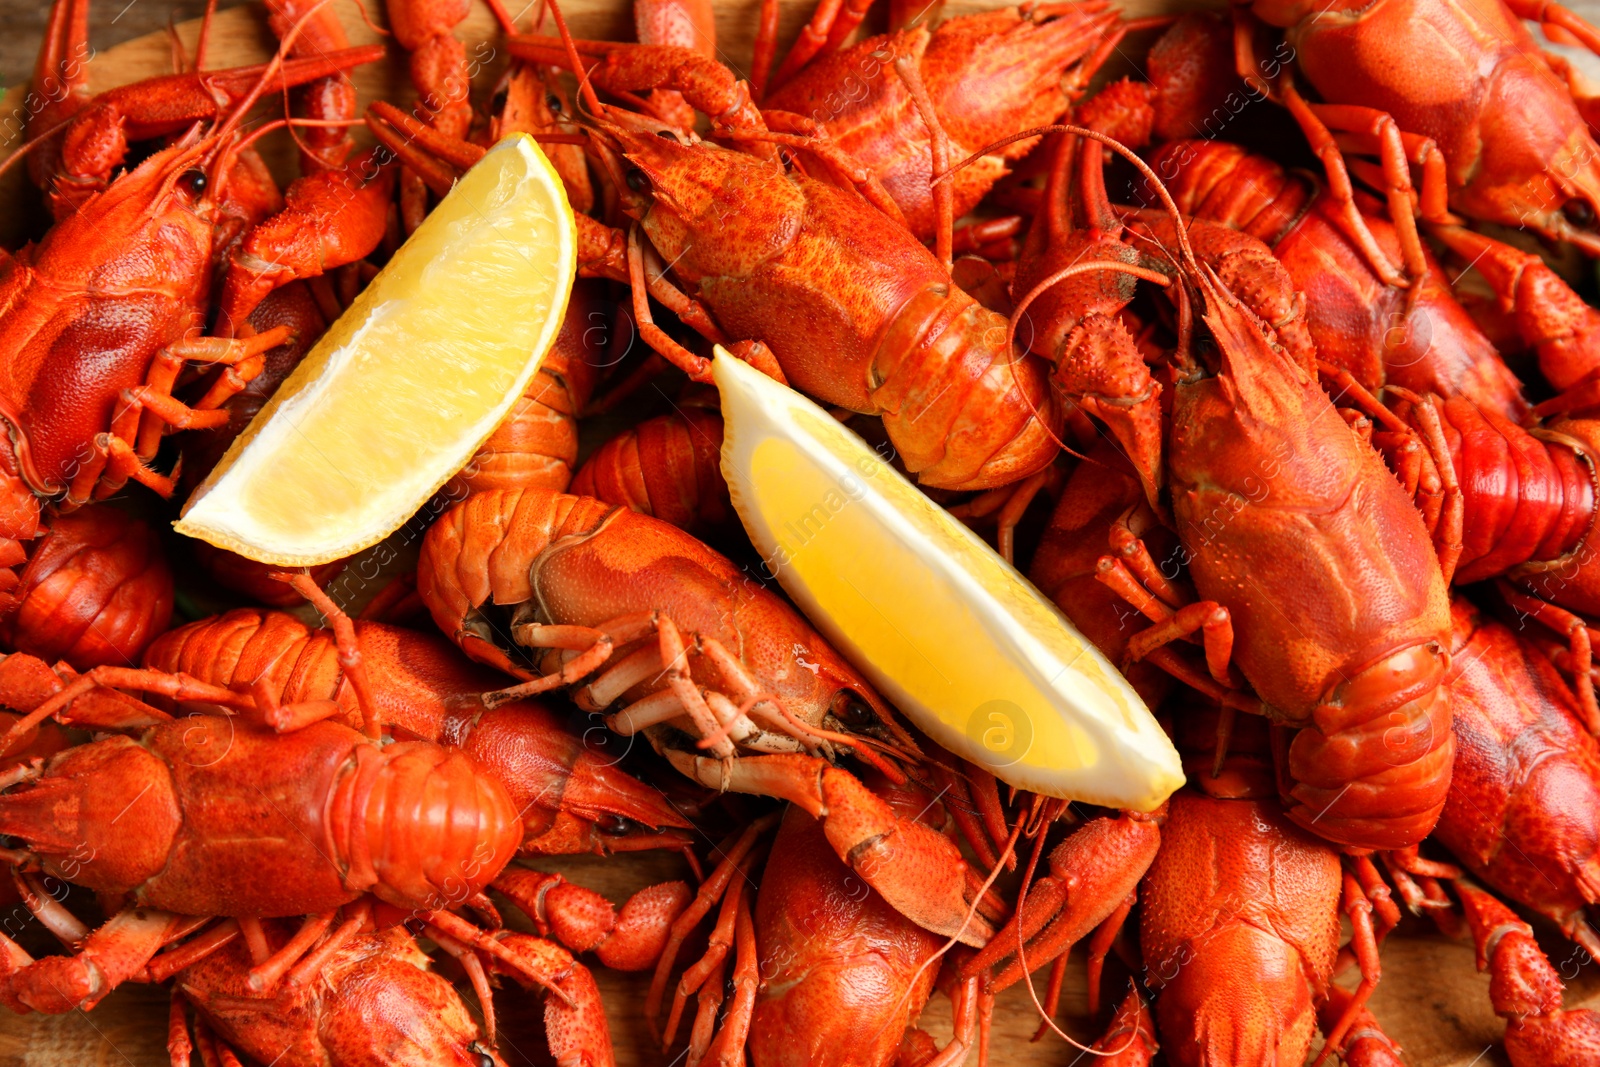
[946, 630]
[400, 392]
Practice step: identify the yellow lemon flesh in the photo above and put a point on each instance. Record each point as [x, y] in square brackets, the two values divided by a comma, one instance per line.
[944, 627]
[403, 388]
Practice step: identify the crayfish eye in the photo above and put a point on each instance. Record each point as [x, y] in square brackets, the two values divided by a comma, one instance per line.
[637, 181]
[192, 182]
[1578, 212]
[498, 104]
[553, 102]
[850, 709]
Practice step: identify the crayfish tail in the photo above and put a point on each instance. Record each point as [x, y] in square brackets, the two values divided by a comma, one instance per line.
[964, 413]
[1398, 802]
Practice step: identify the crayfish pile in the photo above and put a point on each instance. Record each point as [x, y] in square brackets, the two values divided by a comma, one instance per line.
[1254, 360]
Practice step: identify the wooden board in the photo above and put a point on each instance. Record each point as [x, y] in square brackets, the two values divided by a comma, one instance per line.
[1431, 999]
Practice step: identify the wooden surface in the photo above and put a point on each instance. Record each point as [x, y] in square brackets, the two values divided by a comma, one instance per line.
[22, 25]
[1431, 998]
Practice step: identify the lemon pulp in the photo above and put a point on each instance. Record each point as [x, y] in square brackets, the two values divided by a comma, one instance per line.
[946, 630]
[398, 394]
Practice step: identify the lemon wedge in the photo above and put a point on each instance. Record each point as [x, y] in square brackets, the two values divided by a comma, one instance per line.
[413, 377]
[946, 629]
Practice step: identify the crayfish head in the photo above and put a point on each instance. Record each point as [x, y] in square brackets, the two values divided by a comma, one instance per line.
[710, 210]
[381, 1003]
[1235, 341]
[856, 709]
[145, 198]
[68, 817]
[1578, 222]
[1560, 215]
[633, 149]
[996, 73]
[1543, 175]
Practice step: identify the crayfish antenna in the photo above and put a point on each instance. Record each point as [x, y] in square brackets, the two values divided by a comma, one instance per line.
[205, 35]
[223, 156]
[507, 21]
[1130, 1039]
[1187, 252]
[44, 138]
[578, 69]
[943, 192]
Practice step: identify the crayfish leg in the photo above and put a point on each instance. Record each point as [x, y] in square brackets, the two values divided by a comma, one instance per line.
[1314, 121]
[972, 1006]
[349, 646]
[718, 944]
[575, 1021]
[179, 1047]
[711, 891]
[1525, 989]
[1365, 1043]
[476, 975]
[708, 1002]
[1552, 16]
[914, 867]
[265, 975]
[1580, 646]
[830, 24]
[1363, 946]
[630, 938]
[61, 73]
[730, 1040]
[1105, 935]
[109, 956]
[1102, 862]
